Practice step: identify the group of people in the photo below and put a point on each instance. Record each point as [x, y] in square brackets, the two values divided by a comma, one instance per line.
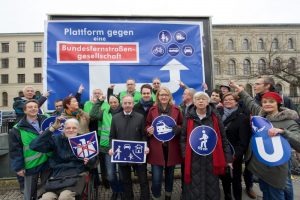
[129, 116]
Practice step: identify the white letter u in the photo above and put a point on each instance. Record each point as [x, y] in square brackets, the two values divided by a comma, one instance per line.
[278, 151]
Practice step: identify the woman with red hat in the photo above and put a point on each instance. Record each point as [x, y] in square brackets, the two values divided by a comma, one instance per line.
[274, 181]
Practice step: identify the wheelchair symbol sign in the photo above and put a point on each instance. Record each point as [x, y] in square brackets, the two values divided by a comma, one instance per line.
[203, 140]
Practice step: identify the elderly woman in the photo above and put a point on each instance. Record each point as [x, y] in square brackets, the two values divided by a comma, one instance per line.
[201, 176]
[63, 162]
[72, 110]
[238, 132]
[163, 155]
[275, 181]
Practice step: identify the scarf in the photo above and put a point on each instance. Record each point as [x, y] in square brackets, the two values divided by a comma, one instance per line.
[163, 111]
[75, 114]
[228, 112]
[146, 104]
[219, 163]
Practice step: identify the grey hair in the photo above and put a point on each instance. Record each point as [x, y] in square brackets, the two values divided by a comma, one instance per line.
[201, 94]
[72, 120]
[192, 91]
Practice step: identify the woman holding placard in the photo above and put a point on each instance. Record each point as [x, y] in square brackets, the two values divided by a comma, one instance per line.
[205, 149]
[163, 141]
[274, 179]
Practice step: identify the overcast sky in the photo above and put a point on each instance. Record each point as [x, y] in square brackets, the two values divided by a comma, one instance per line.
[18, 16]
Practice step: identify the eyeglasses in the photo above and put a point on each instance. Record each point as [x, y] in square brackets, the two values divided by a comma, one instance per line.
[259, 83]
[229, 99]
[156, 83]
[163, 95]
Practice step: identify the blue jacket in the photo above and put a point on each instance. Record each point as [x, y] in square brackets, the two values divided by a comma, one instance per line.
[16, 147]
[62, 160]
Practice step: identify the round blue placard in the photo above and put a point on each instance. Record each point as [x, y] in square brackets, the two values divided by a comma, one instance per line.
[203, 140]
[49, 121]
[163, 128]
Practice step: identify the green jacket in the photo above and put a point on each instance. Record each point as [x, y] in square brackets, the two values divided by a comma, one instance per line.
[136, 96]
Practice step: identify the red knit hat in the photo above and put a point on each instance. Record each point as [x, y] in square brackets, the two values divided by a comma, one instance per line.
[273, 95]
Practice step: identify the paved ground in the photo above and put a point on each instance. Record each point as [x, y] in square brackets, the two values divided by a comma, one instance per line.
[104, 194]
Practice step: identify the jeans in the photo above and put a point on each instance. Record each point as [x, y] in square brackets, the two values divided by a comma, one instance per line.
[111, 170]
[269, 192]
[288, 190]
[157, 175]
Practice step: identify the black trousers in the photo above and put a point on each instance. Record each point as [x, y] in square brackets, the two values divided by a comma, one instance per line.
[234, 180]
[141, 170]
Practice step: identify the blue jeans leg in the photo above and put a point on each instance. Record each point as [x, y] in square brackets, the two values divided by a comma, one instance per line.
[288, 190]
[169, 178]
[269, 192]
[157, 174]
[112, 177]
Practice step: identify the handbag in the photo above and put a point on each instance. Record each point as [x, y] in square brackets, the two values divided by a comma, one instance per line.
[57, 183]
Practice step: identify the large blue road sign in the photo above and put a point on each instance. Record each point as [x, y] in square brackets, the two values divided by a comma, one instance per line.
[85, 145]
[163, 128]
[50, 121]
[99, 53]
[271, 151]
[127, 151]
[203, 140]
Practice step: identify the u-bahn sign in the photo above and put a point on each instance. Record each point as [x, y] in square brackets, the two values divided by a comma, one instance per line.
[102, 51]
[271, 151]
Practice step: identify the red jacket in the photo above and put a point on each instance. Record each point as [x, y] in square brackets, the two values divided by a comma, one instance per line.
[156, 156]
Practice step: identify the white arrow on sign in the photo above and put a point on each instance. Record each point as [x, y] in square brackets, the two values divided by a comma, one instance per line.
[99, 74]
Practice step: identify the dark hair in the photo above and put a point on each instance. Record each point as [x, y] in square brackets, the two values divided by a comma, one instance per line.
[30, 101]
[218, 91]
[67, 101]
[58, 100]
[148, 86]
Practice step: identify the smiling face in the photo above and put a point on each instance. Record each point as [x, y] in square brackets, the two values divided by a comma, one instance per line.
[164, 97]
[31, 109]
[28, 92]
[127, 104]
[73, 106]
[146, 94]
[269, 105]
[229, 102]
[156, 84]
[70, 129]
[215, 97]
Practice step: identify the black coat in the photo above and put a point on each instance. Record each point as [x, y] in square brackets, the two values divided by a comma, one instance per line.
[129, 127]
[238, 131]
[140, 109]
[204, 183]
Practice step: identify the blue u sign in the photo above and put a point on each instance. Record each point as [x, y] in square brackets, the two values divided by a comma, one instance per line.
[271, 151]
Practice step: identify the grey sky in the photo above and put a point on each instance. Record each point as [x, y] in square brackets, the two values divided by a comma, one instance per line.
[29, 15]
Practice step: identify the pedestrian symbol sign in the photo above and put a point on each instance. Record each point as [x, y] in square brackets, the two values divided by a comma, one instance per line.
[127, 151]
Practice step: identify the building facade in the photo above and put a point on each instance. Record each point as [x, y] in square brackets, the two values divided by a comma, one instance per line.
[241, 52]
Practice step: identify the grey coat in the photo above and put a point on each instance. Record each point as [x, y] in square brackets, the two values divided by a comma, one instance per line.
[204, 184]
[284, 119]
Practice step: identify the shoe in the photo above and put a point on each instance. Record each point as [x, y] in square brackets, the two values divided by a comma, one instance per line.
[250, 192]
[106, 184]
[167, 197]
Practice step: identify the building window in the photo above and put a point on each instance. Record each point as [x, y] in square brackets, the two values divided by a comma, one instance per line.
[260, 44]
[216, 44]
[230, 44]
[247, 67]
[291, 65]
[21, 46]
[275, 44]
[38, 78]
[217, 66]
[4, 78]
[21, 78]
[4, 99]
[245, 44]
[248, 89]
[21, 62]
[290, 43]
[276, 65]
[262, 67]
[293, 90]
[231, 67]
[4, 63]
[5, 47]
[37, 62]
[37, 46]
